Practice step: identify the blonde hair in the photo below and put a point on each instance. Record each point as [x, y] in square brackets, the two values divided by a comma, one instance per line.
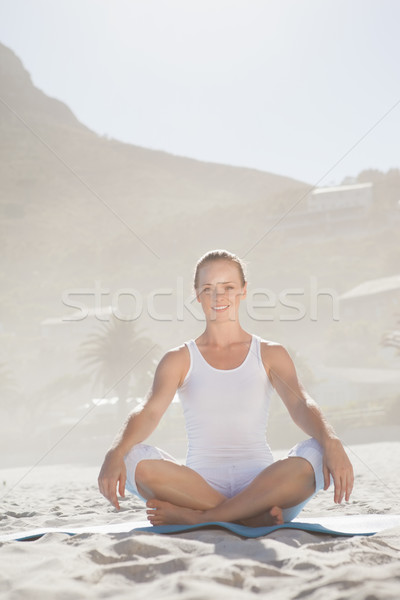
[219, 254]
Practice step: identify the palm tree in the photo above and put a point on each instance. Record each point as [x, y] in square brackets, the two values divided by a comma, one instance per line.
[116, 354]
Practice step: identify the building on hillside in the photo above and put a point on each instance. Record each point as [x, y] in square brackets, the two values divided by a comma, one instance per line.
[377, 299]
[328, 209]
[344, 199]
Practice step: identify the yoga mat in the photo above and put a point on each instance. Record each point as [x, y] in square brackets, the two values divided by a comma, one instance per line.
[347, 525]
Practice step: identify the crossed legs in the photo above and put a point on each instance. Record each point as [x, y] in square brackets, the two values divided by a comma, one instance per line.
[177, 494]
[175, 483]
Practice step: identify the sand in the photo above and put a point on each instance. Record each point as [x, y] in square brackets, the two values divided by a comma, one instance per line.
[197, 565]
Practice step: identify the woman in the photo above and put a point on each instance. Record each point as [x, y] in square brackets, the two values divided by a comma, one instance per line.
[224, 380]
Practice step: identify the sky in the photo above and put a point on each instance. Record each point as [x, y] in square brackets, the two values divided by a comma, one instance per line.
[308, 89]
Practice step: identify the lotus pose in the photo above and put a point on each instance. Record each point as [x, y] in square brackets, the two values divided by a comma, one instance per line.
[224, 379]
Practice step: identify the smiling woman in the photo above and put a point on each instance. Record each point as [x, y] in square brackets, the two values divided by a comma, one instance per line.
[224, 379]
[224, 293]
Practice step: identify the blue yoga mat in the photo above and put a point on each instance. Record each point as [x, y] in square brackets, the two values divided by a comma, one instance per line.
[348, 525]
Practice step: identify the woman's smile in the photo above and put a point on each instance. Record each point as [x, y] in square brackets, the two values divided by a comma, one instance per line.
[220, 308]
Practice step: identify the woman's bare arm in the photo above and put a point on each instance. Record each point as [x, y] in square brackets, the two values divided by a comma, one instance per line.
[306, 413]
[140, 424]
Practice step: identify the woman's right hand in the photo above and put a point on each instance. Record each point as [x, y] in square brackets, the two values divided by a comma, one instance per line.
[112, 473]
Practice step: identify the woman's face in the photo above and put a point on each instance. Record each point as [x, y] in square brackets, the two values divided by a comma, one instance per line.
[220, 290]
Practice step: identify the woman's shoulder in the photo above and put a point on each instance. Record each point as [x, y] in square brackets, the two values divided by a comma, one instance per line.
[265, 343]
[178, 358]
[177, 352]
[179, 355]
[271, 349]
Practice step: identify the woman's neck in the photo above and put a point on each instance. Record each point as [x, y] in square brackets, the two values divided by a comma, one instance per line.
[223, 334]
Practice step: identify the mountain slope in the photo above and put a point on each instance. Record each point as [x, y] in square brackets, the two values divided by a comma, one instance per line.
[75, 206]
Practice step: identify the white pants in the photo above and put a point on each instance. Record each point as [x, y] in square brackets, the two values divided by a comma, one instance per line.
[230, 479]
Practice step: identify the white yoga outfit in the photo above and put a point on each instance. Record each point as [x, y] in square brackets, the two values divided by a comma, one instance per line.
[226, 414]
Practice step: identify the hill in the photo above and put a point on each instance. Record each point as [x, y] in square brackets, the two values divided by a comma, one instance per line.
[80, 212]
[75, 205]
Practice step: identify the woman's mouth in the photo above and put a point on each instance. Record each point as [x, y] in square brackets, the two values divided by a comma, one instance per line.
[220, 308]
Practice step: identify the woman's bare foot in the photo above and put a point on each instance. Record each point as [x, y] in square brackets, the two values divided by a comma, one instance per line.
[164, 513]
[267, 519]
[161, 512]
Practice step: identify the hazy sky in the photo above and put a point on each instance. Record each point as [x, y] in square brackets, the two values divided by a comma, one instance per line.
[285, 86]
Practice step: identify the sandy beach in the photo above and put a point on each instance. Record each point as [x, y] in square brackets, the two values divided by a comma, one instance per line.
[196, 565]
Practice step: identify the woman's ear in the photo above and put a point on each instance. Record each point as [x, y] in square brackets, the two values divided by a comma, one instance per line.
[244, 293]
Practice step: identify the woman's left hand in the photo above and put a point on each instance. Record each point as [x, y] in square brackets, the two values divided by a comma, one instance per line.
[337, 463]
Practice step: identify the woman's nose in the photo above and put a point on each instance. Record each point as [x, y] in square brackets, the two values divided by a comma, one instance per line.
[219, 292]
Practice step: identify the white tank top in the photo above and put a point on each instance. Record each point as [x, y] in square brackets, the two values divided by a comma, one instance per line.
[226, 410]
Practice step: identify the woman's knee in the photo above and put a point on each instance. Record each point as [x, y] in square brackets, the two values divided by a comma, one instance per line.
[138, 454]
[312, 451]
[146, 471]
[307, 447]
